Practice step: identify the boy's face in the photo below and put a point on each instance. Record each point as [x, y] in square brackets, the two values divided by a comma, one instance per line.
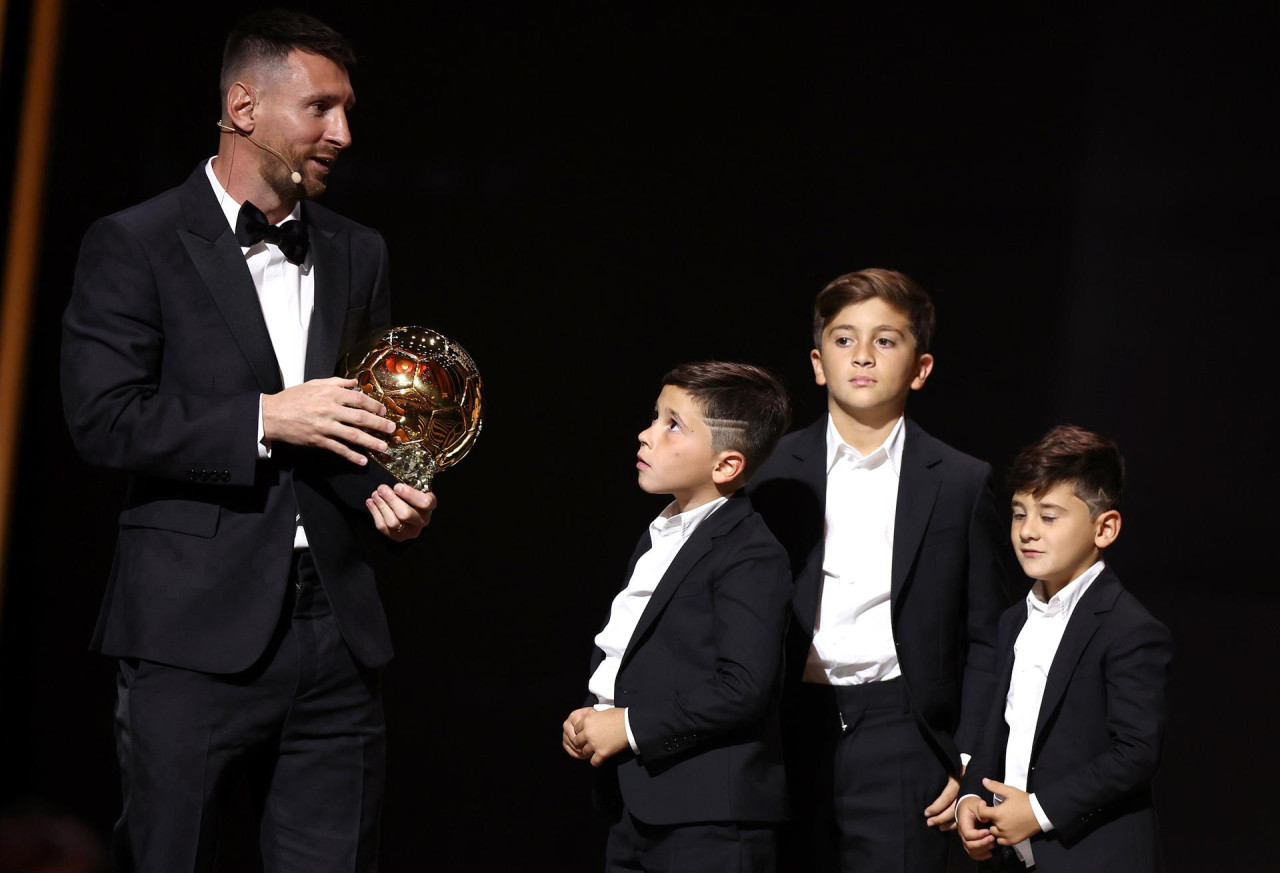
[675, 454]
[1054, 537]
[868, 360]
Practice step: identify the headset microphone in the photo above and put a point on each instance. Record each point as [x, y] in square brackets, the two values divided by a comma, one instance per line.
[293, 174]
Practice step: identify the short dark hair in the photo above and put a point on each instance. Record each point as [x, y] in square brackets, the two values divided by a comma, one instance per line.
[1091, 463]
[746, 407]
[269, 35]
[897, 289]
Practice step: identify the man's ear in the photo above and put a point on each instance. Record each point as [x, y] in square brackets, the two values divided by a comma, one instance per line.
[242, 102]
[924, 366]
[1106, 527]
[730, 465]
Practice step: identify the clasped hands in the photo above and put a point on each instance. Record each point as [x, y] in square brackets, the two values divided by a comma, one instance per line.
[328, 414]
[594, 734]
[1007, 823]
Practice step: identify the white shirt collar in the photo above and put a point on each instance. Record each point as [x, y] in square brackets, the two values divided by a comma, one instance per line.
[891, 447]
[231, 206]
[1065, 600]
[683, 523]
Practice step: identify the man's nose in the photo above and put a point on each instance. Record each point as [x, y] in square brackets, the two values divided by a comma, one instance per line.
[339, 133]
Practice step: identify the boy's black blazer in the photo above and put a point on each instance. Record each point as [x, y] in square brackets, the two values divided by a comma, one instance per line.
[1098, 735]
[949, 576]
[701, 678]
[165, 353]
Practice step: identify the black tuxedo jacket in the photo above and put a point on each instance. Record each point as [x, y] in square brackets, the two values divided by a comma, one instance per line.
[701, 678]
[165, 354]
[949, 575]
[1098, 734]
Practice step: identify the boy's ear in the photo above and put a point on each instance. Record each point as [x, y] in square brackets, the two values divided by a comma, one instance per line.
[1106, 527]
[819, 376]
[924, 366]
[729, 466]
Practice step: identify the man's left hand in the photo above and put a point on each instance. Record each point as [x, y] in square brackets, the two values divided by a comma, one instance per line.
[402, 512]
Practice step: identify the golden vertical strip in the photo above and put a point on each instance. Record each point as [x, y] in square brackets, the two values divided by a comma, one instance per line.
[21, 254]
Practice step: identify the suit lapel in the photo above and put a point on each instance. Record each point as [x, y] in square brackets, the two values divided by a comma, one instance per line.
[1085, 620]
[331, 259]
[213, 249]
[917, 493]
[809, 466]
[723, 519]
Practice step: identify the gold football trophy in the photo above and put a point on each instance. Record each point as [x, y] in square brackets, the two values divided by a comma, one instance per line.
[431, 389]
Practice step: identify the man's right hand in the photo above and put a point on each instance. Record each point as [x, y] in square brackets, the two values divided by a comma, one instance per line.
[326, 414]
[971, 821]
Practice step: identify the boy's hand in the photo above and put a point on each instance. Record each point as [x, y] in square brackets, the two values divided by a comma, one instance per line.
[1013, 820]
[601, 733]
[941, 814]
[570, 738]
[971, 817]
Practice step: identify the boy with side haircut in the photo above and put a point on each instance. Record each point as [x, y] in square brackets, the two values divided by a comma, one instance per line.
[895, 548]
[1075, 731]
[682, 713]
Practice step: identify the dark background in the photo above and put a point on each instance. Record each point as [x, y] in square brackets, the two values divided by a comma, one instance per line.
[586, 198]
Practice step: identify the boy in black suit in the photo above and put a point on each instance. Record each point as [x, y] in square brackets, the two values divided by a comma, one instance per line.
[1075, 731]
[899, 571]
[686, 673]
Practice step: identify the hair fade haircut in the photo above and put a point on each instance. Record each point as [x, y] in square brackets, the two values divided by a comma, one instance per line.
[1091, 463]
[897, 289]
[745, 407]
[268, 36]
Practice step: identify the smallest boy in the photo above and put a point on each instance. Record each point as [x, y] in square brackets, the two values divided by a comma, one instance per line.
[686, 673]
[1075, 733]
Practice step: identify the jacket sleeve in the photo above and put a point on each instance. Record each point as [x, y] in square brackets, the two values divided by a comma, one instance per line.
[987, 598]
[1136, 668]
[752, 594]
[113, 352]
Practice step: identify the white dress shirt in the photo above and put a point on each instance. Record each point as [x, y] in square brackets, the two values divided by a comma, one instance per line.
[1033, 654]
[667, 533]
[286, 293]
[853, 631]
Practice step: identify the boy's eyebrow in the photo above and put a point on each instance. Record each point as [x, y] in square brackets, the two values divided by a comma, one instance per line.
[877, 328]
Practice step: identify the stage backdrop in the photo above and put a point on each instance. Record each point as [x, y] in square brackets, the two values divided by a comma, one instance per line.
[587, 198]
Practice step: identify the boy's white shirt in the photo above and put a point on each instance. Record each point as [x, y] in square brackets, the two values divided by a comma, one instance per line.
[1034, 651]
[667, 534]
[853, 630]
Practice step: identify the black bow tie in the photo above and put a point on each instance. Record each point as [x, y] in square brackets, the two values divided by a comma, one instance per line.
[252, 228]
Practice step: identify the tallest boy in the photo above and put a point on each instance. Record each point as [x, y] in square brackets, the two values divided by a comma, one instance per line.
[899, 568]
[199, 349]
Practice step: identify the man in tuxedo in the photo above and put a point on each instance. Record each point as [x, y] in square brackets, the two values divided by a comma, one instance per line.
[899, 571]
[199, 349]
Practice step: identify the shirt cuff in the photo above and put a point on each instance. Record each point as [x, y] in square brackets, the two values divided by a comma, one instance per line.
[965, 758]
[264, 447]
[956, 813]
[1045, 824]
[626, 723]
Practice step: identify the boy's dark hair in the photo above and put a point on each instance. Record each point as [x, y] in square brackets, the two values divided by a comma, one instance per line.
[268, 36]
[745, 407]
[897, 289]
[1091, 463]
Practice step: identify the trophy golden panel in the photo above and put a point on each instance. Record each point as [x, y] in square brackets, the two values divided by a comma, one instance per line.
[431, 389]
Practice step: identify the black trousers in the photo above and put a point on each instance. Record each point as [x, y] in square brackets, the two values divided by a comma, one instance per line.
[704, 847]
[861, 773]
[294, 747]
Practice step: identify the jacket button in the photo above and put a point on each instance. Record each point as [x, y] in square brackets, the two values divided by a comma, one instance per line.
[226, 475]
